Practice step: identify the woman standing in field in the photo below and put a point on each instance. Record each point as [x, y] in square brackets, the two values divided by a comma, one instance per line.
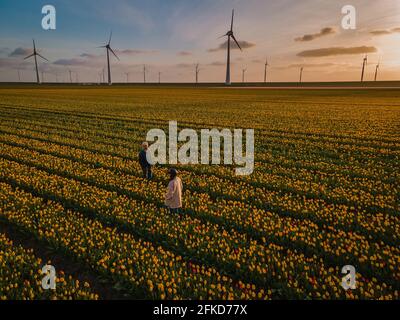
[173, 197]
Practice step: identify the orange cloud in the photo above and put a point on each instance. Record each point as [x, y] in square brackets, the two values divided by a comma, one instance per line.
[309, 37]
[335, 51]
[385, 32]
[243, 44]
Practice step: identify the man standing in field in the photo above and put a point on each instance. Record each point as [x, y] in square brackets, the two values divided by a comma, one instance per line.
[173, 197]
[146, 166]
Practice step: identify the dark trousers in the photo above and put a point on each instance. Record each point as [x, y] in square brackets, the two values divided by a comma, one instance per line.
[175, 211]
[147, 174]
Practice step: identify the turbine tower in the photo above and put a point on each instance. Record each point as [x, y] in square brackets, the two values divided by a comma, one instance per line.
[70, 76]
[365, 63]
[197, 70]
[230, 35]
[265, 70]
[108, 49]
[301, 74]
[243, 72]
[144, 73]
[127, 77]
[159, 77]
[34, 54]
[376, 70]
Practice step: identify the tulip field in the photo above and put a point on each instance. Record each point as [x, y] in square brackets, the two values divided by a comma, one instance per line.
[324, 194]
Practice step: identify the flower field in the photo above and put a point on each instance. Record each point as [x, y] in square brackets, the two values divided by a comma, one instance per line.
[324, 194]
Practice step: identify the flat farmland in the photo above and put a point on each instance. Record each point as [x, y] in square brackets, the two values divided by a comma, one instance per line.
[324, 194]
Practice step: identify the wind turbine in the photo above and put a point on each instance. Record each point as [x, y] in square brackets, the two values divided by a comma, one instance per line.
[70, 76]
[127, 77]
[376, 69]
[108, 49]
[159, 77]
[19, 74]
[243, 72]
[144, 73]
[34, 54]
[301, 74]
[230, 35]
[365, 63]
[265, 70]
[197, 70]
[42, 76]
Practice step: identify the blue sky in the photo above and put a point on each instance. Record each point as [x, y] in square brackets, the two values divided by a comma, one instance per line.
[171, 35]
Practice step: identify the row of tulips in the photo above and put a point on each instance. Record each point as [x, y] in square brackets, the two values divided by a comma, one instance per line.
[379, 225]
[331, 187]
[230, 250]
[382, 226]
[143, 269]
[364, 163]
[21, 275]
[121, 126]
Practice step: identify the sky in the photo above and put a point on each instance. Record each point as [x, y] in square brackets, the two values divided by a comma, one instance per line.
[171, 36]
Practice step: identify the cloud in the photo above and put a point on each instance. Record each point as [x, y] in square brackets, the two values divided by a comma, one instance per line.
[88, 55]
[223, 46]
[312, 65]
[321, 66]
[380, 32]
[385, 32]
[135, 51]
[71, 62]
[184, 53]
[334, 51]
[310, 37]
[20, 52]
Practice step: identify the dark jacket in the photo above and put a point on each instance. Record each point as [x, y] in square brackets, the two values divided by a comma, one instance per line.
[143, 159]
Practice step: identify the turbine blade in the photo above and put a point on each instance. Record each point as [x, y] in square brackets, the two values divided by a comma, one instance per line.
[237, 43]
[113, 53]
[34, 46]
[222, 36]
[109, 40]
[102, 46]
[233, 12]
[42, 56]
[31, 55]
